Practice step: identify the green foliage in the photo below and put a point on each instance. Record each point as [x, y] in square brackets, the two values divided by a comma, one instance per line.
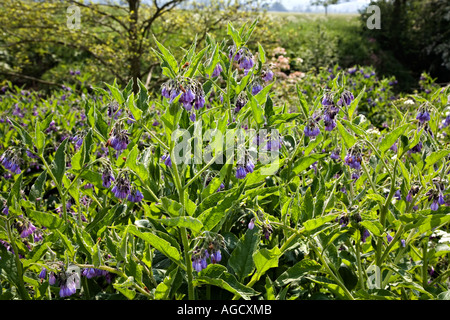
[355, 211]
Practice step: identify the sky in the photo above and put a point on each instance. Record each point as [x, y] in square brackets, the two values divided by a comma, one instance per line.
[344, 7]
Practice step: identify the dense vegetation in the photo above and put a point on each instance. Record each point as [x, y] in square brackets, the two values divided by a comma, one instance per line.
[253, 164]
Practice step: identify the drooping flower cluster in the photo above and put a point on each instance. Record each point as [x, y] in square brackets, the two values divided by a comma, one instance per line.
[68, 285]
[68, 282]
[25, 227]
[243, 57]
[207, 252]
[190, 92]
[217, 70]
[331, 108]
[423, 115]
[244, 167]
[241, 101]
[312, 128]
[266, 74]
[436, 196]
[353, 159]
[123, 189]
[91, 273]
[119, 137]
[167, 160]
[107, 177]
[256, 87]
[411, 193]
[416, 149]
[11, 160]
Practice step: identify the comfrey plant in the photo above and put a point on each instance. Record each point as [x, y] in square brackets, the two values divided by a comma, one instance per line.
[217, 187]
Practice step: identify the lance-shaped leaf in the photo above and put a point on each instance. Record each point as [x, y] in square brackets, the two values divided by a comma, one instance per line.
[195, 63]
[297, 271]
[45, 219]
[354, 104]
[183, 222]
[37, 189]
[234, 35]
[26, 138]
[158, 243]
[304, 162]
[59, 163]
[217, 275]
[167, 58]
[348, 139]
[318, 222]
[392, 137]
[265, 259]
[241, 260]
[142, 99]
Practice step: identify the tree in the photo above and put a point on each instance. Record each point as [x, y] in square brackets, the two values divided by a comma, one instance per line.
[324, 3]
[113, 38]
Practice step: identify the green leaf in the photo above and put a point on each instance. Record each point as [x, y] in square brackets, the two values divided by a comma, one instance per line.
[59, 163]
[172, 207]
[249, 32]
[163, 289]
[195, 63]
[349, 140]
[37, 189]
[115, 92]
[158, 243]
[217, 275]
[67, 243]
[168, 57]
[374, 227]
[435, 157]
[444, 295]
[125, 288]
[318, 222]
[264, 260]
[47, 220]
[307, 207]
[268, 109]
[303, 102]
[82, 156]
[135, 165]
[183, 222]
[304, 162]
[85, 241]
[26, 138]
[262, 54]
[142, 101]
[354, 104]
[135, 111]
[15, 190]
[97, 259]
[282, 117]
[392, 137]
[256, 110]
[355, 128]
[39, 138]
[296, 272]
[241, 258]
[234, 35]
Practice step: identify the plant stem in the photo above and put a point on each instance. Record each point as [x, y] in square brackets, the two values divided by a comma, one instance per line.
[358, 259]
[331, 273]
[425, 263]
[183, 233]
[21, 285]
